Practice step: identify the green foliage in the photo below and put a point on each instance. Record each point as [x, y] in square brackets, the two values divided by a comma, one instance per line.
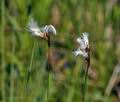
[74, 17]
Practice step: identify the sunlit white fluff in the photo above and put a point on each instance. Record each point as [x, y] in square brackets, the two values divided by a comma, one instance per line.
[40, 32]
[83, 41]
[80, 52]
[34, 28]
[83, 44]
[50, 29]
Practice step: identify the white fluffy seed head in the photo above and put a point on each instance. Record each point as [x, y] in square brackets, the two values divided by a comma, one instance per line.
[83, 44]
[40, 32]
[50, 29]
[78, 52]
[34, 28]
[83, 41]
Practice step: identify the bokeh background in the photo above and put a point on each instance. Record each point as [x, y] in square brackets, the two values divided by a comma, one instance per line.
[100, 18]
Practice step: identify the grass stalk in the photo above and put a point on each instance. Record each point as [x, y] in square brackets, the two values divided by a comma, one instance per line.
[12, 72]
[86, 76]
[85, 84]
[30, 66]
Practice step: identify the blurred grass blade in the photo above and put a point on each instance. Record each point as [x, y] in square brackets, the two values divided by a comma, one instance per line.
[30, 67]
[3, 49]
[12, 71]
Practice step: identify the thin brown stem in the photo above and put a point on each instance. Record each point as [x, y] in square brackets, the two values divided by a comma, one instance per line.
[48, 68]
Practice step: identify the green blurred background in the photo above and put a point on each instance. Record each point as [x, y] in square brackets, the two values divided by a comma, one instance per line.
[100, 18]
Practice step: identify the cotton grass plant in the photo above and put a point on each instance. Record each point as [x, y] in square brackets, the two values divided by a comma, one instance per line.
[42, 33]
[84, 51]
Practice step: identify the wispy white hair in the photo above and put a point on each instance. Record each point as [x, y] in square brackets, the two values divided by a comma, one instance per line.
[36, 31]
[83, 44]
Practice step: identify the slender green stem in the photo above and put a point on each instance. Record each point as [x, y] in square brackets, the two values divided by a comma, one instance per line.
[85, 84]
[2, 48]
[31, 61]
[12, 84]
[48, 83]
[86, 76]
[12, 73]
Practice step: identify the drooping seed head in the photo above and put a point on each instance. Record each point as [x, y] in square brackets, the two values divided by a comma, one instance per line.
[42, 32]
[50, 29]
